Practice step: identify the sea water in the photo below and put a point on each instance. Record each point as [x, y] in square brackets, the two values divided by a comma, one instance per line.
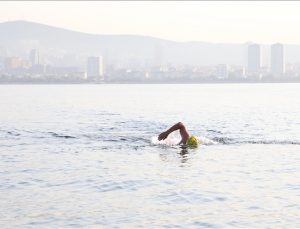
[87, 156]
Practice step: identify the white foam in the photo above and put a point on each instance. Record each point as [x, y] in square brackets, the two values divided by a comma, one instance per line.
[205, 141]
[171, 141]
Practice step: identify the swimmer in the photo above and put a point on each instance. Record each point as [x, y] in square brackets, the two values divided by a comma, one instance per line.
[186, 139]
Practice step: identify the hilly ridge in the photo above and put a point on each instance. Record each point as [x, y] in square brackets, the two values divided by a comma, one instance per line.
[122, 47]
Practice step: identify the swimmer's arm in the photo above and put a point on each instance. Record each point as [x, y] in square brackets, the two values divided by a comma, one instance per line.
[177, 126]
[166, 133]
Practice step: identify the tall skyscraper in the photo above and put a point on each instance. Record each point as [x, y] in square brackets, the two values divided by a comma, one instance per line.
[34, 57]
[95, 68]
[277, 60]
[158, 56]
[254, 58]
[222, 71]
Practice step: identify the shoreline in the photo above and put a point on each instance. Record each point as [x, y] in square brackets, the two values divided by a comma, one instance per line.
[142, 83]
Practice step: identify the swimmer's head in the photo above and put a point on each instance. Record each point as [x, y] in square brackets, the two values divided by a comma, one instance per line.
[192, 141]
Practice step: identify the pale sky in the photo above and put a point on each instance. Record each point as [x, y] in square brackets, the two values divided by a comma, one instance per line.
[216, 21]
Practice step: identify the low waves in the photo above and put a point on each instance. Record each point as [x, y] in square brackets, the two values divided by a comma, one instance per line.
[88, 156]
[132, 137]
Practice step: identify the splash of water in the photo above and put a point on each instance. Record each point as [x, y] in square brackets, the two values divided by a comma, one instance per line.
[171, 141]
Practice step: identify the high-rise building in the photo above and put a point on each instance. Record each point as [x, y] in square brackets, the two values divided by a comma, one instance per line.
[34, 57]
[158, 56]
[277, 60]
[95, 68]
[3, 52]
[254, 58]
[222, 71]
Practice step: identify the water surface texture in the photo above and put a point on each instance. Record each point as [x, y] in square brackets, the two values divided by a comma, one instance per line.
[86, 156]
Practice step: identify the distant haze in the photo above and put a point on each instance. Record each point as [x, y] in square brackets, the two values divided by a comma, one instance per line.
[19, 37]
[217, 21]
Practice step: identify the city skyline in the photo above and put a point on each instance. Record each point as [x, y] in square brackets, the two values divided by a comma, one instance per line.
[29, 52]
[31, 69]
[237, 22]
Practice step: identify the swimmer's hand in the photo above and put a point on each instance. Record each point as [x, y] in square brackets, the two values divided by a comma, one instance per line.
[163, 136]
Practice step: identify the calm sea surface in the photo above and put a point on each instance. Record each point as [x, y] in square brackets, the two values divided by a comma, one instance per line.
[87, 156]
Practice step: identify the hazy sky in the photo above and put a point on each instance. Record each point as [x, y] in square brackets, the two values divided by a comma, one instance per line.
[217, 21]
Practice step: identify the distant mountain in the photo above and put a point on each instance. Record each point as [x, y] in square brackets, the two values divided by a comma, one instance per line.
[16, 35]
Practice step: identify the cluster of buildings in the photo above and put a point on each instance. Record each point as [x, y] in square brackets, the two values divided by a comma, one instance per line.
[92, 69]
[33, 69]
[254, 70]
[277, 64]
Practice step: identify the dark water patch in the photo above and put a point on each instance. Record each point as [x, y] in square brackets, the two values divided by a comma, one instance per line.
[220, 198]
[13, 133]
[110, 140]
[138, 147]
[224, 140]
[26, 170]
[135, 139]
[62, 184]
[215, 131]
[232, 141]
[37, 180]
[23, 183]
[269, 142]
[60, 135]
[106, 129]
[254, 208]
[93, 137]
[284, 142]
[128, 139]
[39, 137]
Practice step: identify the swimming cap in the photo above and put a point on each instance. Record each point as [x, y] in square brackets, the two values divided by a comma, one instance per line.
[192, 141]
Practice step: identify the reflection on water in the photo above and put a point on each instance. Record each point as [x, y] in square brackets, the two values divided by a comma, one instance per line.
[184, 154]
